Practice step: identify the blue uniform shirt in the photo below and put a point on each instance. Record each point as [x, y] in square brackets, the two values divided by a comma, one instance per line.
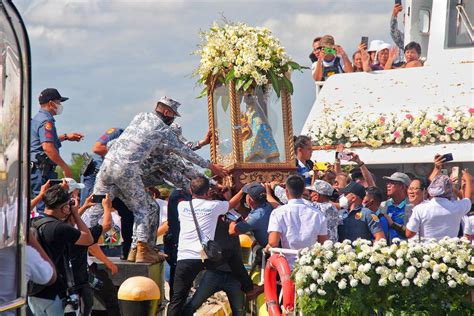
[383, 224]
[110, 134]
[359, 223]
[304, 170]
[43, 129]
[257, 223]
[397, 213]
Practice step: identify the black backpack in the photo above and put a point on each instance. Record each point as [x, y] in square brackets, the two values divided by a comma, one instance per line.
[38, 226]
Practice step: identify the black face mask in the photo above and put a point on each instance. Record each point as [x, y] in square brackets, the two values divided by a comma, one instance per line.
[168, 120]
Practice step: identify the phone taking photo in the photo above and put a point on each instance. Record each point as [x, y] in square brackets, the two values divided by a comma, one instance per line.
[365, 40]
[343, 155]
[447, 157]
[55, 181]
[398, 2]
[97, 198]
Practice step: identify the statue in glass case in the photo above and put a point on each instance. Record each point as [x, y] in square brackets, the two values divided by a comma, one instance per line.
[259, 145]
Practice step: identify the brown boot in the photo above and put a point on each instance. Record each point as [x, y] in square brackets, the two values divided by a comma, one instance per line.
[146, 254]
[132, 255]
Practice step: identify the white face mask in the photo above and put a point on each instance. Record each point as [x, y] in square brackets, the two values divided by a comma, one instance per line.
[59, 108]
[344, 202]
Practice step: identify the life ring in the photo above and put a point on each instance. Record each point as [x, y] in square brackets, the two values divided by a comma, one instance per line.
[278, 264]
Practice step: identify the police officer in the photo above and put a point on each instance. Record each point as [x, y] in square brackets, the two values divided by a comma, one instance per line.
[45, 142]
[120, 173]
[100, 150]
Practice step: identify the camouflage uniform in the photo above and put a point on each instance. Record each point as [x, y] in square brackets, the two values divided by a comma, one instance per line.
[397, 35]
[121, 172]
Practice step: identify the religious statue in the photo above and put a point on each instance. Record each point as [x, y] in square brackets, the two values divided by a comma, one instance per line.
[259, 146]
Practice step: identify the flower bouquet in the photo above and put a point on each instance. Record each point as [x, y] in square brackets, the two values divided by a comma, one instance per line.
[406, 278]
[249, 55]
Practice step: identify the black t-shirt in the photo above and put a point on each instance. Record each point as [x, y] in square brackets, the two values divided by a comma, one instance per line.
[228, 243]
[57, 236]
[78, 256]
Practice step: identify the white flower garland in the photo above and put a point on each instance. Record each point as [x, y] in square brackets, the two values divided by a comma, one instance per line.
[449, 124]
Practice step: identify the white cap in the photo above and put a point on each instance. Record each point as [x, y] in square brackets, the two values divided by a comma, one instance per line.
[73, 185]
[374, 45]
[383, 46]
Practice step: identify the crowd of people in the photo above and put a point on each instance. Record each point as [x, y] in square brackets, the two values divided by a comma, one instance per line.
[328, 58]
[196, 226]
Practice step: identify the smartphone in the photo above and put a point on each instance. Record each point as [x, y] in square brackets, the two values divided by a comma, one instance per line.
[329, 50]
[444, 172]
[398, 2]
[97, 198]
[447, 157]
[322, 166]
[233, 216]
[343, 156]
[365, 40]
[55, 181]
[454, 173]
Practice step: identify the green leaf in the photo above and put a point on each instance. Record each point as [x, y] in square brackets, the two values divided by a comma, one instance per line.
[296, 66]
[288, 85]
[274, 80]
[230, 75]
[203, 93]
[239, 84]
[248, 84]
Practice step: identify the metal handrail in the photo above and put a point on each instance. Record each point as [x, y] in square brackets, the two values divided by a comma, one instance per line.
[465, 19]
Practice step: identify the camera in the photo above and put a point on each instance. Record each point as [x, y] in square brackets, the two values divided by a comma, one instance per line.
[72, 304]
[95, 282]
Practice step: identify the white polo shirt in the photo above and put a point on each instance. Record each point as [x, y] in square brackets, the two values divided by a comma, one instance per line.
[299, 225]
[438, 217]
[207, 214]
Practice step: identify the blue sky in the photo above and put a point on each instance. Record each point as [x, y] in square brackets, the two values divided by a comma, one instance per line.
[114, 59]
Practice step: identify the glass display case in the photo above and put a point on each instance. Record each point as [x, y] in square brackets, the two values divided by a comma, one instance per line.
[252, 132]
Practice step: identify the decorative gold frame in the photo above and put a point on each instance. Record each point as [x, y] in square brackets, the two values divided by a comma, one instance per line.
[245, 172]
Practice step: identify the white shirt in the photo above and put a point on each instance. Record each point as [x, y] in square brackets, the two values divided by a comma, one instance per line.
[299, 225]
[38, 270]
[207, 214]
[163, 210]
[438, 218]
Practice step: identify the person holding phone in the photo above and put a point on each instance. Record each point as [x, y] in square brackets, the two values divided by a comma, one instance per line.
[332, 60]
[441, 216]
[397, 35]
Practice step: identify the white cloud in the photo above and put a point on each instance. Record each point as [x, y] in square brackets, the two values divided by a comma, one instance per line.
[116, 58]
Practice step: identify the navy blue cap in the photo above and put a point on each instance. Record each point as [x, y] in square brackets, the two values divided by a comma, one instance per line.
[256, 191]
[355, 188]
[50, 94]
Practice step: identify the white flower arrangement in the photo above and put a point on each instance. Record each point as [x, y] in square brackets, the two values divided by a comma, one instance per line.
[362, 276]
[446, 125]
[248, 55]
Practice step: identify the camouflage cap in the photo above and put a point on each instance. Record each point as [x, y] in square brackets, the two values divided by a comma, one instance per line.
[441, 186]
[321, 187]
[173, 104]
